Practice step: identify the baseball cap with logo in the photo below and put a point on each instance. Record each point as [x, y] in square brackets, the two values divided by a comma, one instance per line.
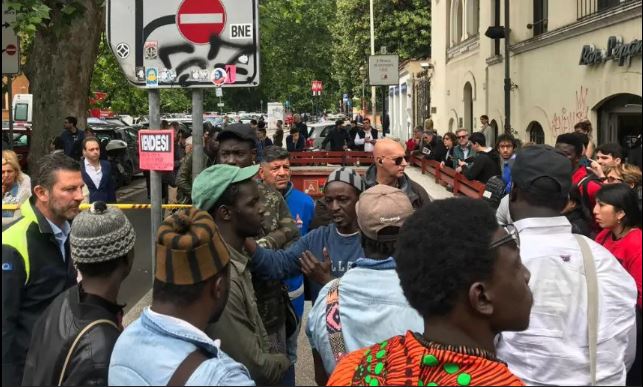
[380, 207]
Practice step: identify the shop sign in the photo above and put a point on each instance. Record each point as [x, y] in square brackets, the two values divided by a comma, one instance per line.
[616, 51]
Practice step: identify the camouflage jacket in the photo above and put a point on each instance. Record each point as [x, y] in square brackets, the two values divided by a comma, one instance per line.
[184, 178]
[279, 228]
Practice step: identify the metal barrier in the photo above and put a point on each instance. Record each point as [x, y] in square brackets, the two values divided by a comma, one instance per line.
[122, 206]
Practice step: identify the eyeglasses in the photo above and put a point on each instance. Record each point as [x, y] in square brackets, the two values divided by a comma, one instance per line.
[512, 235]
[613, 180]
[398, 160]
[464, 136]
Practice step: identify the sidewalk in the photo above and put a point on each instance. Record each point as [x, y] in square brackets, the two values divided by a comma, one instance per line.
[435, 190]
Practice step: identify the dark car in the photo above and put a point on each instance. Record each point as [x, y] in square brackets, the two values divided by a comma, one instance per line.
[21, 142]
[125, 150]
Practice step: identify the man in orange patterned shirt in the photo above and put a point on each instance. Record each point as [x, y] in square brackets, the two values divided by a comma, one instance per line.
[468, 286]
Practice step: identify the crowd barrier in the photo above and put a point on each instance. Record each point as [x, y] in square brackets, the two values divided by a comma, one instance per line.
[323, 158]
[122, 206]
[446, 176]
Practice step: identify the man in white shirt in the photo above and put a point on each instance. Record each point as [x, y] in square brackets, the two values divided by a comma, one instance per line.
[97, 173]
[366, 137]
[554, 350]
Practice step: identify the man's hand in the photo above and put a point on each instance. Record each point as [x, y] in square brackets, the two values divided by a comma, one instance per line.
[462, 163]
[314, 269]
[597, 169]
[441, 164]
[458, 169]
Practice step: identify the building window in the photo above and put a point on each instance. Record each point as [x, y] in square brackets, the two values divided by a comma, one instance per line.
[536, 133]
[473, 17]
[456, 22]
[540, 17]
[589, 7]
[468, 107]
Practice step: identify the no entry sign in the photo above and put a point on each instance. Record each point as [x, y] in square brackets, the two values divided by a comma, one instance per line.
[156, 150]
[11, 49]
[197, 20]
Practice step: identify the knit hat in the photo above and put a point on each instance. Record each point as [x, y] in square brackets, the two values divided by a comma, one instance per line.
[348, 176]
[189, 248]
[212, 182]
[379, 207]
[101, 234]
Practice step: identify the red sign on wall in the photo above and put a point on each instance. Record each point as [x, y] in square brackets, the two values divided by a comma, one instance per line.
[156, 150]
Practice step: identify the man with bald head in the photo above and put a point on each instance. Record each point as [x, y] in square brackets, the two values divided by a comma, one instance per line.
[389, 170]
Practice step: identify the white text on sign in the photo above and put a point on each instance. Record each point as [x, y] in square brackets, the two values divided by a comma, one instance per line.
[155, 143]
[241, 31]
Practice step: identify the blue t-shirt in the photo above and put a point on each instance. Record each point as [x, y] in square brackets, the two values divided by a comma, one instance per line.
[279, 264]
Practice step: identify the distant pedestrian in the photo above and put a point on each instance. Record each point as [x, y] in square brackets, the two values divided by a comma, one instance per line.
[366, 137]
[16, 185]
[278, 137]
[36, 262]
[463, 150]
[485, 164]
[450, 141]
[191, 286]
[97, 173]
[72, 138]
[262, 140]
[506, 147]
[585, 127]
[295, 142]
[337, 138]
[300, 126]
[102, 247]
[488, 130]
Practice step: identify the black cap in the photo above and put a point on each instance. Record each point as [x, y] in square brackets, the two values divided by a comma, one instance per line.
[243, 132]
[542, 161]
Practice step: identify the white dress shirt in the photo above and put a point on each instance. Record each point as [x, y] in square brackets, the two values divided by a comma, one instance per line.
[368, 136]
[94, 173]
[554, 349]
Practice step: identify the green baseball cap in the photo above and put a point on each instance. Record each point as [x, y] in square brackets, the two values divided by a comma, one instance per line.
[212, 182]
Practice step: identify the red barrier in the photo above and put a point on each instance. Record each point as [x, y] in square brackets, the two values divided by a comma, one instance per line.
[448, 176]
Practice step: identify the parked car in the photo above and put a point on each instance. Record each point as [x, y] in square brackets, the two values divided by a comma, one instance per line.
[317, 133]
[21, 142]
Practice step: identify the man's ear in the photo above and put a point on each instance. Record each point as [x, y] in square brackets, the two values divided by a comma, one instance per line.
[261, 172]
[224, 213]
[479, 298]
[41, 193]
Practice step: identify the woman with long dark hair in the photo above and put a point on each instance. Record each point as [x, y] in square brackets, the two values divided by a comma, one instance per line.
[450, 141]
[618, 213]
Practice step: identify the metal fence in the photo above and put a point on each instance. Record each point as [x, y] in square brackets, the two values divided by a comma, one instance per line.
[422, 100]
[586, 8]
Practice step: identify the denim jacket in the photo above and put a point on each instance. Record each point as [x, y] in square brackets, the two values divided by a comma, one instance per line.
[372, 308]
[150, 350]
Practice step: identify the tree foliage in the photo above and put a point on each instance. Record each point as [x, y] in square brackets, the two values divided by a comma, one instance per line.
[402, 26]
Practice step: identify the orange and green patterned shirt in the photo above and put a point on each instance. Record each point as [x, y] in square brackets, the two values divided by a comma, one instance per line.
[410, 360]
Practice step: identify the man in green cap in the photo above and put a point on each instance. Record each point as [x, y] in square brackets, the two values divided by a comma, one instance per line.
[238, 146]
[231, 196]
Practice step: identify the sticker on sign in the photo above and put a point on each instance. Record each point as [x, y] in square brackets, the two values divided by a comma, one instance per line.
[155, 150]
[186, 36]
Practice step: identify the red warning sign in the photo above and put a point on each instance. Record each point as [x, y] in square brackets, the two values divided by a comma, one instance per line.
[11, 49]
[197, 20]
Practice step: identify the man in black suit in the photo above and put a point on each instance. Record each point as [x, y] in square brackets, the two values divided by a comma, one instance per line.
[97, 173]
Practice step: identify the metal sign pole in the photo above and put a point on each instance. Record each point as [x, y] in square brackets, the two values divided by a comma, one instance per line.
[197, 132]
[156, 194]
[10, 87]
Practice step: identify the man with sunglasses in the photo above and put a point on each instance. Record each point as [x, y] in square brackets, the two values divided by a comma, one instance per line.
[463, 151]
[389, 170]
[554, 349]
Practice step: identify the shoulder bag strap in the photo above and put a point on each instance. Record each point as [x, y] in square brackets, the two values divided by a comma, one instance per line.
[333, 322]
[592, 303]
[75, 343]
[187, 368]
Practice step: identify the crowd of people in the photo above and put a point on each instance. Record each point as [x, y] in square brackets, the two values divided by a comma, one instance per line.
[542, 286]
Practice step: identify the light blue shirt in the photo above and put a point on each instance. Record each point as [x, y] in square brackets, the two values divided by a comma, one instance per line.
[372, 308]
[150, 350]
[61, 235]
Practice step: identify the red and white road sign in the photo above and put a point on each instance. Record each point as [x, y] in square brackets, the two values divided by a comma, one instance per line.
[197, 20]
[11, 49]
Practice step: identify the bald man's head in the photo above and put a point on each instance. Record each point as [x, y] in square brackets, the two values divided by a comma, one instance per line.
[389, 161]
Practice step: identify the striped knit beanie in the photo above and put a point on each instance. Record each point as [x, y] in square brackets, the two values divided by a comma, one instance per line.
[348, 176]
[189, 248]
[101, 234]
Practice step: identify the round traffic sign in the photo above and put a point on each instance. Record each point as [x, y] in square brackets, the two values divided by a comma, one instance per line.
[197, 20]
[11, 49]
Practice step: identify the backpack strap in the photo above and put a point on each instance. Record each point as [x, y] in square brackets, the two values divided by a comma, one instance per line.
[75, 343]
[592, 304]
[187, 367]
[333, 322]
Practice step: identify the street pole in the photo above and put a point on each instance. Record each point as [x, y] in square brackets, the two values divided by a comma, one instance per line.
[10, 87]
[507, 73]
[197, 132]
[373, 96]
[156, 196]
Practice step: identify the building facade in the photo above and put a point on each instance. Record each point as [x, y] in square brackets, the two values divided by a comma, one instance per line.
[408, 102]
[570, 60]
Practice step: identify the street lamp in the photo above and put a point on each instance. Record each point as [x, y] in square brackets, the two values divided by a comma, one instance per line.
[362, 71]
[373, 96]
[502, 32]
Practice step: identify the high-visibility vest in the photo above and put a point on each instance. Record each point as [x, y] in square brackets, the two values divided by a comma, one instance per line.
[16, 235]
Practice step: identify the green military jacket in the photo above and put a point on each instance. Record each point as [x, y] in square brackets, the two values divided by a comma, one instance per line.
[241, 330]
[279, 228]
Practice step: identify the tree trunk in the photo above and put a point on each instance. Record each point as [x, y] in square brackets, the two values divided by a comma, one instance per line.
[60, 67]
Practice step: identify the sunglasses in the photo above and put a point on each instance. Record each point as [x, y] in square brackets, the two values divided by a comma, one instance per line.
[465, 136]
[397, 160]
[512, 235]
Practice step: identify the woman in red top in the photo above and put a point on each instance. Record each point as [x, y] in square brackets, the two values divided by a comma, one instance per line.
[618, 213]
